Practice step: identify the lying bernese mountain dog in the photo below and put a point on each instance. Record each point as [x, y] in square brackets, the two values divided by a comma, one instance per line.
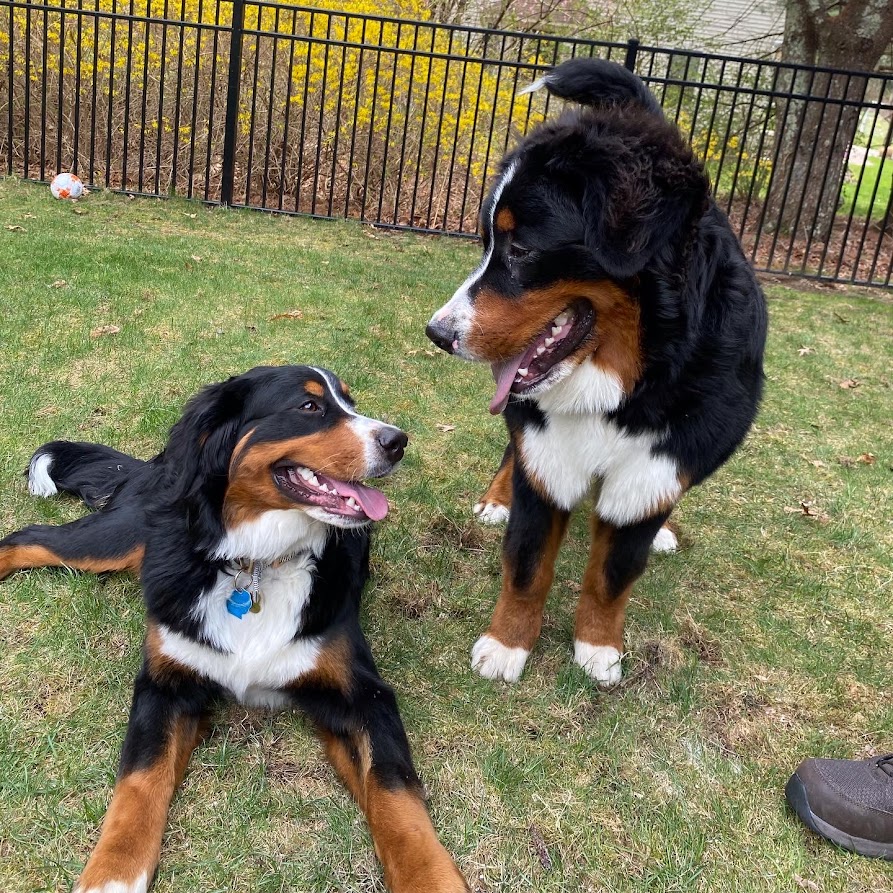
[250, 535]
[625, 330]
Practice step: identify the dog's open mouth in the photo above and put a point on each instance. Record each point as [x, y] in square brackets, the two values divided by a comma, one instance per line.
[350, 499]
[556, 342]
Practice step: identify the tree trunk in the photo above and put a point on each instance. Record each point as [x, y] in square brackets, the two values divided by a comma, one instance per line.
[812, 141]
[814, 134]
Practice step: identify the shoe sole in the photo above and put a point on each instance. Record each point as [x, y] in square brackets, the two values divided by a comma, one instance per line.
[795, 792]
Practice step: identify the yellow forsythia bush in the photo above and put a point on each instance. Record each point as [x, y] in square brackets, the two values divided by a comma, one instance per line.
[373, 110]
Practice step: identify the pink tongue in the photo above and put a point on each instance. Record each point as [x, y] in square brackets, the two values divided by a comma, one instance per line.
[504, 373]
[373, 502]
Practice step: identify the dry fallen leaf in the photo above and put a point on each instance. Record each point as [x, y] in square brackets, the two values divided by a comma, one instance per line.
[29, 217]
[78, 211]
[59, 283]
[867, 459]
[808, 509]
[289, 314]
[817, 463]
[197, 258]
[15, 228]
[445, 428]
[104, 330]
[849, 383]
[805, 351]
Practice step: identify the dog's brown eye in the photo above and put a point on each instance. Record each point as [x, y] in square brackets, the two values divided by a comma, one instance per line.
[309, 406]
[518, 252]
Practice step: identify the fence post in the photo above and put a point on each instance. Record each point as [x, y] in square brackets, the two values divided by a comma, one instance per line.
[231, 124]
[632, 49]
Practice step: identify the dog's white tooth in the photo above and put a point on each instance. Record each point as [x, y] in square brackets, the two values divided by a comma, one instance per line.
[556, 330]
[313, 479]
[522, 372]
[540, 351]
[561, 319]
[549, 342]
[305, 473]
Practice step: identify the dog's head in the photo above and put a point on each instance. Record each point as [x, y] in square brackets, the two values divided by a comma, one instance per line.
[581, 209]
[276, 439]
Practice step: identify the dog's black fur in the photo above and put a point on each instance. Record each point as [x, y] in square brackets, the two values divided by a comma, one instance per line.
[603, 217]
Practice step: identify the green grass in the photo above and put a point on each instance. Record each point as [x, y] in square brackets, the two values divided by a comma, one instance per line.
[878, 175]
[768, 638]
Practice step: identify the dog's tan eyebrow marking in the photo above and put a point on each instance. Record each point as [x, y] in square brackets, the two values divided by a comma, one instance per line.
[505, 221]
[315, 388]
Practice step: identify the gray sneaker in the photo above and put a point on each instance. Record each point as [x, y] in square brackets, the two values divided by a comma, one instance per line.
[849, 802]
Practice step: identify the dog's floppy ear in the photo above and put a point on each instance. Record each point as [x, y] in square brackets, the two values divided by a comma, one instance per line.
[202, 441]
[645, 203]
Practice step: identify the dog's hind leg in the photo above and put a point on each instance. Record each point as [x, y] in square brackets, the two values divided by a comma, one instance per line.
[105, 541]
[90, 471]
[494, 506]
[168, 719]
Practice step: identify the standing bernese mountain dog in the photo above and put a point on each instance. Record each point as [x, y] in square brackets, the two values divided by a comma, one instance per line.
[250, 534]
[625, 329]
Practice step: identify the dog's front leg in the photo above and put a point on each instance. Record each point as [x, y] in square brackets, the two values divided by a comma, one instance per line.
[167, 720]
[356, 715]
[532, 539]
[617, 557]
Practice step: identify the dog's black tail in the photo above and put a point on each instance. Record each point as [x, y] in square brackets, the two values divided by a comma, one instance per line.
[596, 82]
[90, 471]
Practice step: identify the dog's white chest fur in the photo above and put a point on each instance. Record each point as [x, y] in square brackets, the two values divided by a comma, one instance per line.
[576, 447]
[256, 655]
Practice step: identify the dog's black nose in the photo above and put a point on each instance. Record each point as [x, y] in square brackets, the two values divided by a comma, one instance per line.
[441, 335]
[393, 441]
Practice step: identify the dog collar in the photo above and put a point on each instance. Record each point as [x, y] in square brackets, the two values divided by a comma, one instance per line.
[246, 594]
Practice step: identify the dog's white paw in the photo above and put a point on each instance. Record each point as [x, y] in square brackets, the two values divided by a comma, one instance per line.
[601, 662]
[493, 660]
[665, 541]
[493, 513]
[139, 885]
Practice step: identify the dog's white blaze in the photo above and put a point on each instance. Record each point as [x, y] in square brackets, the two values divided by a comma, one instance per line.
[601, 662]
[493, 660]
[571, 450]
[138, 885]
[254, 656]
[39, 481]
[459, 310]
[365, 428]
[275, 533]
[335, 391]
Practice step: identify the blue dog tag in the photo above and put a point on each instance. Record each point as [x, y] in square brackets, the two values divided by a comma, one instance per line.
[239, 603]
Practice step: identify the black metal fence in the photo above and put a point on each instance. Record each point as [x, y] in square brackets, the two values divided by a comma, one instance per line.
[334, 114]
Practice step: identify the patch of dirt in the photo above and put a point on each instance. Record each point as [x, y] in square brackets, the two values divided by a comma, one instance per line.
[696, 639]
[445, 532]
[653, 659]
